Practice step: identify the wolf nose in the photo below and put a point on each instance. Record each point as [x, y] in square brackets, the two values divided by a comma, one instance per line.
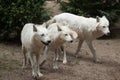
[71, 41]
[49, 41]
[108, 33]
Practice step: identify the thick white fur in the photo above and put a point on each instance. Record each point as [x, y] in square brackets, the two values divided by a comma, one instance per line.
[88, 29]
[59, 35]
[31, 38]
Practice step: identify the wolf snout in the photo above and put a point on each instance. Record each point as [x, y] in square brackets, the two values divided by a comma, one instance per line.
[108, 33]
[49, 41]
[46, 43]
[71, 41]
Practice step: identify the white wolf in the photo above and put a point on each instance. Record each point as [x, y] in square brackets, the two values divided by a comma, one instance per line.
[34, 38]
[59, 37]
[88, 29]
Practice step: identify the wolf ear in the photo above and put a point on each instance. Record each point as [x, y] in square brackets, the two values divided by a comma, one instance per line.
[59, 29]
[45, 25]
[104, 17]
[97, 18]
[74, 34]
[97, 26]
[51, 17]
[34, 28]
[50, 21]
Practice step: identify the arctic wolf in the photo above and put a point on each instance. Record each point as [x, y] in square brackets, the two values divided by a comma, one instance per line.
[88, 29]
[34, 38]
[60, 34]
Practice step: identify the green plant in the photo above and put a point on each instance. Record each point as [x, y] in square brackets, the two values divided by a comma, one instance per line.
[15, 13]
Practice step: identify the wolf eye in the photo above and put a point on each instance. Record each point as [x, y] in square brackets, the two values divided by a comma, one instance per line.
[104, 26]
[66, 34]
[42, 34]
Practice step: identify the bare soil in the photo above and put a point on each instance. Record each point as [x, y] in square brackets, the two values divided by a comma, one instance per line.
[53, 7]
[81, 68]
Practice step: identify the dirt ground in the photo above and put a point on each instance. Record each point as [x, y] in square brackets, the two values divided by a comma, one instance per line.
[81, 68]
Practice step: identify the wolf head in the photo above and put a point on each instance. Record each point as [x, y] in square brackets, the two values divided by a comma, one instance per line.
[66, 33]
[103, 25]
[41, 33]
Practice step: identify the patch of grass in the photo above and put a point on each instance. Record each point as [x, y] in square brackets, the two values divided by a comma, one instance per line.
[4, 55]
[77, 62]
[16, 62]
[5, 66]
[11, 65]
[13, 53]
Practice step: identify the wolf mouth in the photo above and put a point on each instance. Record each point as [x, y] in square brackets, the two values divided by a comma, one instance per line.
[45, 43]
